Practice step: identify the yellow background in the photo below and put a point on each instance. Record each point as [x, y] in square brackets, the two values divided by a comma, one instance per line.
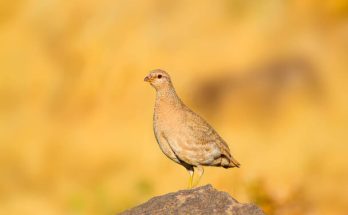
[76, 117]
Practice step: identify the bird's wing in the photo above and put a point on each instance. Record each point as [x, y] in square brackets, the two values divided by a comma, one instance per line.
[204, 134]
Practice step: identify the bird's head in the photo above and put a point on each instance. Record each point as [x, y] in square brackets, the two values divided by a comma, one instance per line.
[158, 79]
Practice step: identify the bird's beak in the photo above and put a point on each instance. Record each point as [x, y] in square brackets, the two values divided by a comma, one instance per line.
[148, 79]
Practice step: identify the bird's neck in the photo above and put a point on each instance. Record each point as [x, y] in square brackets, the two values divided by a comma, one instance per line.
[167, 96]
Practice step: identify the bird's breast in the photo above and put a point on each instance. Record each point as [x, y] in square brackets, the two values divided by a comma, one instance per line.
[167, 122]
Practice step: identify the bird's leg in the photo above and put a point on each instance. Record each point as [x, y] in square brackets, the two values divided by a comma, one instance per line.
[191, 172]
[200, 172]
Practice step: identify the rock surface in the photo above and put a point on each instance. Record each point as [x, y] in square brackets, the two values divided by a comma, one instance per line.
[201, 200]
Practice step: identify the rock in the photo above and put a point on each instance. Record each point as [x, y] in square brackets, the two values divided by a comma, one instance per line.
[201, 200]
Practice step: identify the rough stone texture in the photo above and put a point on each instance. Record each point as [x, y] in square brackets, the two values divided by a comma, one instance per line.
[201, 200]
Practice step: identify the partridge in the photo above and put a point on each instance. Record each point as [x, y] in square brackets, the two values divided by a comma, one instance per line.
[184, 136]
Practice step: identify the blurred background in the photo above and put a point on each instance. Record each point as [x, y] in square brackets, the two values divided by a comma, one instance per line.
[76, 117]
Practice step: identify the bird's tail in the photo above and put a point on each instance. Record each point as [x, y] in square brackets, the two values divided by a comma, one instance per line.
[232, 162]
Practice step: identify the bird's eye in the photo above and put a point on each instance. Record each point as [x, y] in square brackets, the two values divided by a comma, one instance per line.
[159, 76]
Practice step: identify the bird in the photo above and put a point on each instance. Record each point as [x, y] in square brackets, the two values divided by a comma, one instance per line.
[184, 136]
